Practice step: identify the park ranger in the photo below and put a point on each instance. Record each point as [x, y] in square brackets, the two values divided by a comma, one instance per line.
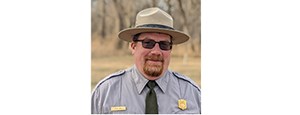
[148, 87]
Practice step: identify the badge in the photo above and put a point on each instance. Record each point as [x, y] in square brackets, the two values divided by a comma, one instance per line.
[118, 108]
[182, 104]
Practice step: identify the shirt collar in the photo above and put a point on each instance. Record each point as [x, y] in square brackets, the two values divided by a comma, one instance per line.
[140, 81]
[163, 81]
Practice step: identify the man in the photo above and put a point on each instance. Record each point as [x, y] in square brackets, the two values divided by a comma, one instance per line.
[148, 87]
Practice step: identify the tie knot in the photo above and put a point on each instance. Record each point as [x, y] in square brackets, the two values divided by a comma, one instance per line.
[151, 84]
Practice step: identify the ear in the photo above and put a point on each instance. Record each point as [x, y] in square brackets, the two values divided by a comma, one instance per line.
[132, 47]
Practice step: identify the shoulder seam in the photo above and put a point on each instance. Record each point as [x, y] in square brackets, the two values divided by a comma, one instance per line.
[121, 72]
[185, 79]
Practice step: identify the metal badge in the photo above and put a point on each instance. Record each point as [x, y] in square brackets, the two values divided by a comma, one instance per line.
[182, 104]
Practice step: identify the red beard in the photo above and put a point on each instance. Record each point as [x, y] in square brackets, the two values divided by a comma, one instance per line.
[153, 65]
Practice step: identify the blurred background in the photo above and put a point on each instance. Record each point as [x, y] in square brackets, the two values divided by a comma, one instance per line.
[110, 54]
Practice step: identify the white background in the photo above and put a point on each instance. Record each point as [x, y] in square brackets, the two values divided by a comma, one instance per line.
[250, 57]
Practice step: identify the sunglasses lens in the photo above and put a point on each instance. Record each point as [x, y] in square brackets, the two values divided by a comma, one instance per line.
[149, 44]
[163, 45]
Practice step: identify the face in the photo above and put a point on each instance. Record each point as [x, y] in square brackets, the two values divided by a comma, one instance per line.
[152, 63]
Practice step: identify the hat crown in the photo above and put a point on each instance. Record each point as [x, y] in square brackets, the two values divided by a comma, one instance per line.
[154, 20]
[153, 16]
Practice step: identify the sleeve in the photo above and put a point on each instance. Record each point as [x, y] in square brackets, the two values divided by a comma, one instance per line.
[95, 102]
[194, 93]
[199, 101]
[99, 96]
[102, 91]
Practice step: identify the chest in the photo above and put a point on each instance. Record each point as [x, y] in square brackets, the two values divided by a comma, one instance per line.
[128, 100]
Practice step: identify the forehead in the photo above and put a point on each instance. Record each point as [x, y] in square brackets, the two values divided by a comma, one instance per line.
[155, 36]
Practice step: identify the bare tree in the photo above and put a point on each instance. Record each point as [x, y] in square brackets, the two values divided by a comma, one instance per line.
[111, 16]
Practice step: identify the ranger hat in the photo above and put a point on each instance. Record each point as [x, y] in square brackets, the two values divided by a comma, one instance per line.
[154, 20]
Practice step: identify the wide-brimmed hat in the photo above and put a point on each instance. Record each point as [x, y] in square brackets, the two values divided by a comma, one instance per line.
[154, 20]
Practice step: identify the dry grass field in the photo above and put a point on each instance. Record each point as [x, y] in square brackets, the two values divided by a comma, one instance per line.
[104, 66]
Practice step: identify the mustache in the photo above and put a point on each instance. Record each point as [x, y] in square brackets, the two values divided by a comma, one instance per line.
[155, 58]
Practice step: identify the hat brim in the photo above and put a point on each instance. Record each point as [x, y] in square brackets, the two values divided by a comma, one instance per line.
[177, 36]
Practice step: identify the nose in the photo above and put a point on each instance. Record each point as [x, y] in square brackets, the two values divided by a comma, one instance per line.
[156, 50]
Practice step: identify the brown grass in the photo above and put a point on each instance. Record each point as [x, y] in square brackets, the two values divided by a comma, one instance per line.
[104, 66]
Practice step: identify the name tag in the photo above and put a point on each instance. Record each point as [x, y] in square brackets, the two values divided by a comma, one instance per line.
[118, 108]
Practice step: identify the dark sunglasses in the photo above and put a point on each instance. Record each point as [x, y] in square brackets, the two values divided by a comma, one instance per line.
[149, 44]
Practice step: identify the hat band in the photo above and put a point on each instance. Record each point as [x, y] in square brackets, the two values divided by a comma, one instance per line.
[155, 26]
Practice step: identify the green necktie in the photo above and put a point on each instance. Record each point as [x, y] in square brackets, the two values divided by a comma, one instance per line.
[151, 101]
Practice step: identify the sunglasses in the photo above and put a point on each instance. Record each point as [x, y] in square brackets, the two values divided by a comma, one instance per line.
[149, 44]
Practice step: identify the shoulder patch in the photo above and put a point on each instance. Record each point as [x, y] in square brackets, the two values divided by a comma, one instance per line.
[116, 74]
[180, 76]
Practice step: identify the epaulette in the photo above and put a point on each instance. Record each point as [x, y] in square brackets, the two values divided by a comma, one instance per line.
[180, 76]
[116, 74]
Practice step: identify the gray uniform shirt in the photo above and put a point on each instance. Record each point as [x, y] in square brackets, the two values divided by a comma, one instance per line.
[126, 90]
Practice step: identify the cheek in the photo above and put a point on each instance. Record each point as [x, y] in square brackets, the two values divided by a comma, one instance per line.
[139, 56]
[167, 57]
